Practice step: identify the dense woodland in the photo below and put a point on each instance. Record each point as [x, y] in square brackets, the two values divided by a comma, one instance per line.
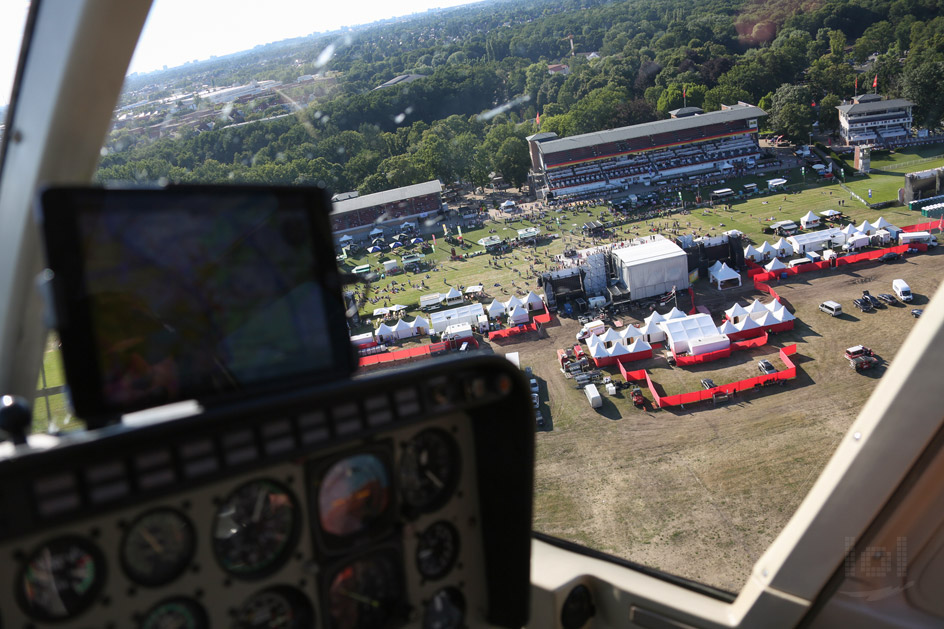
[486, 79]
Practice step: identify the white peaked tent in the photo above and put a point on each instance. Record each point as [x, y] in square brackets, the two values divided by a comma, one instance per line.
[638, 345]
[496, 309]
[675, 313]
[727, 328]
[533, 301]
[867, 228]
[618, 349]
[783, 248]
[829, 213]
[752, 253]
[611, 337]
[748, 324]
[629, 333]
[652, 332]
[767, 318]
[714, 267]
[774, 306]
[593, 339]
[849, 229]
[724, 274]
[403, 329]
[598, 350]
[453, 297]
[512, 303]
[345, 238]
[519, 315]
[385, 333]
[809, 220]
[767, 250]
[376, 232]
[775, 265]
[755, 307]
[783, 315]
[655, 317]
[420, 326]
[881, 223]
[735, 313]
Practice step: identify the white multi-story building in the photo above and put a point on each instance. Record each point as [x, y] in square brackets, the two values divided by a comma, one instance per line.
[871, 120]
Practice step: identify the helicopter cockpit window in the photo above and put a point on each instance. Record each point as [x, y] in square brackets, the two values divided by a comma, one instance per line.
[474, 159]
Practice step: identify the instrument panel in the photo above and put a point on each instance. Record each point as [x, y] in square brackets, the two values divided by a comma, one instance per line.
[395, 516]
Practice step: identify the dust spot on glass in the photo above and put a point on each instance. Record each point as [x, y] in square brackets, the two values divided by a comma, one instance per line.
[281, 157]
[491, 113]
[163, 181]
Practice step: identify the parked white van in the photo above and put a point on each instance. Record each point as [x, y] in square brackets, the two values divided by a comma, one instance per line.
[831, 308]
[902, 290]
[594, 327]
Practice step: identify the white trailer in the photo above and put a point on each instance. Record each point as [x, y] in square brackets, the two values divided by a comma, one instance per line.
[593, 396]
[909, 238]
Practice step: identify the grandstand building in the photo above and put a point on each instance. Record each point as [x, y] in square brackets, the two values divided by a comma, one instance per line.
[869, 120]
[607, 162]
[359, 215]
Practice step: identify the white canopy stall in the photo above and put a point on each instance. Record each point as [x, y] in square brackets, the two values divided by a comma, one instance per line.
[752, 253]
[496, 309]
[735, 313]
[867, 228]
[403, 329]
[784, 249]
[809, 220]
[723, 275]
[453, 297]
[775, 265]
[519, 315]
[767, 250]
[420, 326]
[385, 334]
[533, 301]
[611, 337]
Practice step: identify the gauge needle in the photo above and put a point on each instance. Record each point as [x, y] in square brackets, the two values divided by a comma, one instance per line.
[360, 598]
[260, 503]
[433, 478]
[152, 541]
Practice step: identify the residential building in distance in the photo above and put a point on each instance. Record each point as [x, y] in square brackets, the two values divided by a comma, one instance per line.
[869, 120]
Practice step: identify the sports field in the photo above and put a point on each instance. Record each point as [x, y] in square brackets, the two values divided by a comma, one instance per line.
[889, 169]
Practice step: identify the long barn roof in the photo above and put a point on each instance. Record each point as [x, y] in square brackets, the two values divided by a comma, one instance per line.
[672, 125]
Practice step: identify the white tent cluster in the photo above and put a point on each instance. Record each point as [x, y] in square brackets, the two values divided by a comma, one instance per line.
[470, 314]
[401, 330]
[613, 343]
[815, 240]
[720, 272]
[755, 314]
[516, 308]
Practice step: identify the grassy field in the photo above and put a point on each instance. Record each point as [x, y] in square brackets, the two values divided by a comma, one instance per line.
[702, 491]
[888, 171]
[749, 216]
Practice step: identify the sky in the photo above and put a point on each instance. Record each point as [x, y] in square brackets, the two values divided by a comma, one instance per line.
[178, 31]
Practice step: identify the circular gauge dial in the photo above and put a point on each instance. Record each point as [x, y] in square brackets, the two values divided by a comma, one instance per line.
[365, 593]
[354, 495]
[176, 613]
[429, 469]
[437, 550]
[446, 610]
[276, 608]
[255, 528]
[61, 579]
[157, 547]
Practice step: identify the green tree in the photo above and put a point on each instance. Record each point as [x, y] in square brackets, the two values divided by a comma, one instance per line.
[828, 114]
[512, 161]
[921, 84]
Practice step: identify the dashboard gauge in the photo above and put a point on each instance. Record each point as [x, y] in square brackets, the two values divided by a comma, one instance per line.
[446, 610]
[157, 547]
[365, 593]
[61, 579]
[354, 494]
[175, 613]
[280, 607]
[429, 469]
[255, 528]
[437, 550]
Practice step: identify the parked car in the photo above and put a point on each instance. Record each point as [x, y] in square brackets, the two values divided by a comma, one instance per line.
[858, 350]
[535, 400]
[708, 383]
[888, 299]
[863, 304]
[766, 368]
[863, 362]
[669, 357]
[891, 256]
[539, 419]
[872, 299]
[917, 312]
[534, 386]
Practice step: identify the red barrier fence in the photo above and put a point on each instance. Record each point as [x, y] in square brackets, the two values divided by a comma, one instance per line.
[706, 394]
[545, 318]
[415, 352]
[609, 361]
[925, 227]
[870, 255]
[508, 332]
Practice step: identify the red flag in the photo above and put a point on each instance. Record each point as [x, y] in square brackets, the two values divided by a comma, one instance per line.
[875, 82]
[857, 85]
[537, 119]
[813, 104]
[684, 92]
